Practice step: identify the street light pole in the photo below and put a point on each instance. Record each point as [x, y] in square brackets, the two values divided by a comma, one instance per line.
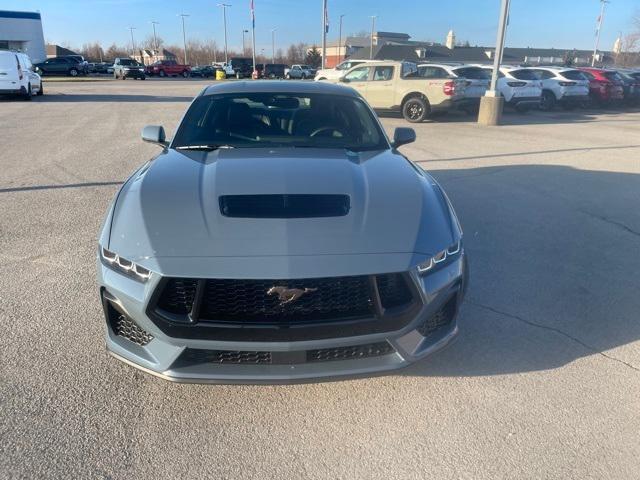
[339, 55]
[133, 44]
[155, 39]
[491, 103]
[244, 50]
[184, 38]
[273, 45]
[224, 16]
[324, 32]
[603, 3]
[373, 27]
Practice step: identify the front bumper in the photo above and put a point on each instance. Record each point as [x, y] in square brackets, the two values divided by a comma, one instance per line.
[198, 360]
[133, 73]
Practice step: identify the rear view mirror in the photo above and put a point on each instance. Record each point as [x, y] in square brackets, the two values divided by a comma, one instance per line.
[403, 135]
[154, 134]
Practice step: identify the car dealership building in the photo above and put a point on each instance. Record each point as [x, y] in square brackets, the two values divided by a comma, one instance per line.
[22, 31]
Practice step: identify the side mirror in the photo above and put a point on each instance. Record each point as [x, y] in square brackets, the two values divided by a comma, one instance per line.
[155, 134]
[344, 80]
[403, 135]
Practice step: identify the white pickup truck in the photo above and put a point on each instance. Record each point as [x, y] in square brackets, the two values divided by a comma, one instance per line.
[397, 87]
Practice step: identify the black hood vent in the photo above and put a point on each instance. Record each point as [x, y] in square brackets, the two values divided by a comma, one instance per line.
[284, 206]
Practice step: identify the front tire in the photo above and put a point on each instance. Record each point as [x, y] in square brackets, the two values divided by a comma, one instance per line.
[161, 74]
[73, 72]
[41, 90]
[27, 96]
[143, 78]
[415, 110]
[185, 74]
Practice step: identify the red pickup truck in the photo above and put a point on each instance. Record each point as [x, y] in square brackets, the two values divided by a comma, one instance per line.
[164, 68]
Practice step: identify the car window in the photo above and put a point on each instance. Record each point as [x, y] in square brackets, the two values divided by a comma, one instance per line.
[383, 73]
[613, 76]
[524, 74]
[544, 74]
[432, 72]
[574, 75]
[360, 74]
[244, 120]
[473, 73]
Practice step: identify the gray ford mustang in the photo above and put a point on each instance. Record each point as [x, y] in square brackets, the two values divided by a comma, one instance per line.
[280, 236]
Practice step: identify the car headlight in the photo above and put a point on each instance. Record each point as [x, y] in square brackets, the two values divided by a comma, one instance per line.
[440, 259]
[122, 265]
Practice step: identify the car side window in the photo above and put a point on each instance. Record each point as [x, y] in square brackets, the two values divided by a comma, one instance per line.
[433, 72]
[383, 73]
[546, 74]
[360, 74]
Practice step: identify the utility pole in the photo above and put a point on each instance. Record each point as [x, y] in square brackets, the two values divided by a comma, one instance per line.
[492, 103]
[133, 43]
[373, 27]
[184, 38]
[273, 45]
[339, 55]
[155, 38]
[324, 32]
[253, 36]
[224, 16]
[603, 3]
[244, 50]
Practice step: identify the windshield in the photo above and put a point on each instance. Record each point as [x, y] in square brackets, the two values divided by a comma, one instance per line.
[473, 73]
[247, 120]
[126, 61]
[524, 74]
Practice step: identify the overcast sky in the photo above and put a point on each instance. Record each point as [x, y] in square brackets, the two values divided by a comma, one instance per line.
[536, 23]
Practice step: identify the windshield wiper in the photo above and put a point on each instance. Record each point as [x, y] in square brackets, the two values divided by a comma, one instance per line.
[207, 148]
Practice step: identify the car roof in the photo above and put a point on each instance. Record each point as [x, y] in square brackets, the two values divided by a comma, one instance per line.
[279, 86]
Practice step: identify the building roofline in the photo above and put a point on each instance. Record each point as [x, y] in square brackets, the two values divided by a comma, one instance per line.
[20, 15]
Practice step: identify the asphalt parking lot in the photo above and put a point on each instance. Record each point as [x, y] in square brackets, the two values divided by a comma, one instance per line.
[543, 381]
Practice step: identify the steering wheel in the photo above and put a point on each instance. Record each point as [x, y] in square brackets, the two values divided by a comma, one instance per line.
[318, 131]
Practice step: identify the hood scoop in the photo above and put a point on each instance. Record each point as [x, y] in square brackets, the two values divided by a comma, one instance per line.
[284, 206]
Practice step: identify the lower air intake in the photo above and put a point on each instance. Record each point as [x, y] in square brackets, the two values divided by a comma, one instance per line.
[349, 353]
[441, 319]
[124, 327]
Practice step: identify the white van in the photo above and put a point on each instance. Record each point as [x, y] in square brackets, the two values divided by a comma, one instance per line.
[17, 76]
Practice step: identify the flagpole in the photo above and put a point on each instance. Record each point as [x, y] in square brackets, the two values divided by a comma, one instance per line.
[324, 32]
[600, 18]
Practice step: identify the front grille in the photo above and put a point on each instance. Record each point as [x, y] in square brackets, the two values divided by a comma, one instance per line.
[178, 295]
[349, 353]
[441, 319]
[283, 310]
[123, 326]
[288, 301]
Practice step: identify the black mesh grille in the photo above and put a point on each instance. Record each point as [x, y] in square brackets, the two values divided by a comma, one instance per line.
[177, 296]
[394, 291]
[284, 206]
[442, 318]
[349, 353]
[123, 326]
[194, 356]
[286, 301]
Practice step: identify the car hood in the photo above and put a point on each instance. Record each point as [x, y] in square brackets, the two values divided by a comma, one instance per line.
[170, 207]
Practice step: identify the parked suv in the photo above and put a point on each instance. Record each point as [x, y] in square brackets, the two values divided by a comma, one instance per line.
[631, 87]
[61, 66]
[567, 87]
[605, 86]
[520, 87]
[299, 72]
[17, 76]
[395, 87]
[476, 80]
[274, 70]
[241, 67]
[164, 68]
[124, 68]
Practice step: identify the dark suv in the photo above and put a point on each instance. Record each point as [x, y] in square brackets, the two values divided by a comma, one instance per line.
[274, 70]
[242, 67]
[61, 66]
[124, 68]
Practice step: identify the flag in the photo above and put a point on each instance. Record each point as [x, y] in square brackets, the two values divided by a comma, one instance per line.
[253, 14]
[326, 18]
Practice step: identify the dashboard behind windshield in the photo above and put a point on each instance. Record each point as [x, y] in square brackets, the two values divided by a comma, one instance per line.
[280, 120]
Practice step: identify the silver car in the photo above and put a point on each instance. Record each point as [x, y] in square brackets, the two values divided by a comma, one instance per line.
[280, 236]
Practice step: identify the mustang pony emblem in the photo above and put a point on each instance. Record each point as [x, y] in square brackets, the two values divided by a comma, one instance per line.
[289, 295]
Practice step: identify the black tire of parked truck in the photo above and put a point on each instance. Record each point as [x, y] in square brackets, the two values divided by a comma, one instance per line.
[415, 109]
